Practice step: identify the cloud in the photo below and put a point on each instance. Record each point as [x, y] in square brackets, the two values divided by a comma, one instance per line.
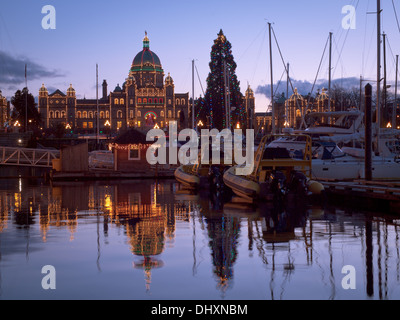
[305, 87]
[12, 70]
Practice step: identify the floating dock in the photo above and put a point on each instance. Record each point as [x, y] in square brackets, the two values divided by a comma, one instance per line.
[105, 174]
[383, 195]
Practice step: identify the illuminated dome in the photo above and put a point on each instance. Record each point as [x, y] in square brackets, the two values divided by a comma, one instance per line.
[146, 59]
[323, 95]
[169, 80]
[43, 88]
[70, 90]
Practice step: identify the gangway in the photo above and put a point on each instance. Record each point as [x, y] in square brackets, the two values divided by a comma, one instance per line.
[11, 156]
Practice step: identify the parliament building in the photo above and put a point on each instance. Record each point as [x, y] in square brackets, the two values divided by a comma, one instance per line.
[146, 100]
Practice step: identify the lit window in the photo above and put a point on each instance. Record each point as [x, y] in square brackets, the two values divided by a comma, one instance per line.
[84, 125]
[119, 124]
[90, 125]
[116, 101]
[122, 101]
[139, 100]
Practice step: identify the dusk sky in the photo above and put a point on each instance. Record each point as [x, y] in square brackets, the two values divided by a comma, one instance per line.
[110, 33]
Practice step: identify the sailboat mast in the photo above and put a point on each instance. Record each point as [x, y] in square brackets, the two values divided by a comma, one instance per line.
[272, 81]
[394, 109]
[384, 73]
[330, 72]
[193, 122]
[97, 102]
[378, 81]
[26, 99]
[287, 94]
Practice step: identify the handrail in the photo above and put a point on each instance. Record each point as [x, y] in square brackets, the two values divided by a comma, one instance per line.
[12, 156]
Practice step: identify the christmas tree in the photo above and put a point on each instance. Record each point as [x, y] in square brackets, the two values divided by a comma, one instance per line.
[212, 108]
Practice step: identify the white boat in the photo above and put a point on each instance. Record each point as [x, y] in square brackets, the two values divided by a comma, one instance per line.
[329, 162]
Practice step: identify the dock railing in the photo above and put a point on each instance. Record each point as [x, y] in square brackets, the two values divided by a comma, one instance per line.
[10, 156]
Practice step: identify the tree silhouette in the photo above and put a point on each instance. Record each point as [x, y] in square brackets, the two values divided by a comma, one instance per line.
[25, 107]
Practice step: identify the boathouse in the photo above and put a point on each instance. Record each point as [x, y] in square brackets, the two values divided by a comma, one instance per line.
[130, 150]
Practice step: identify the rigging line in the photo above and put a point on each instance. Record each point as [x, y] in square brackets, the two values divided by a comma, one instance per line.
[290, 81]
[347, 33]
[259, 53]
[319, 68]
[395, 13]
[277, 86]
[393, 57]
[245, 51]
[339, 59]
[199, 80]
[365, 37]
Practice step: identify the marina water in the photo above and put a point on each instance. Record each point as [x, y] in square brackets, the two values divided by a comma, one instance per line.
[147, 240]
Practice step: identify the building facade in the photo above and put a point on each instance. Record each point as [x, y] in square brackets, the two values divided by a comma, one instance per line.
[144, 101]
[4, 111]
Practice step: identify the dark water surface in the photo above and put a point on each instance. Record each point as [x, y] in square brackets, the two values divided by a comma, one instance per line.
[145, 240]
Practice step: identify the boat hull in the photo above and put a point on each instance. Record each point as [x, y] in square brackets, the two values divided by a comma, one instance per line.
[187, 178]
[241, 185]
[352, 170]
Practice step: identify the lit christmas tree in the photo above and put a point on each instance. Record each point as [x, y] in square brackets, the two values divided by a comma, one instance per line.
[211, 109]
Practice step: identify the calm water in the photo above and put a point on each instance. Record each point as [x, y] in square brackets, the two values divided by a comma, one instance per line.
[146, 240]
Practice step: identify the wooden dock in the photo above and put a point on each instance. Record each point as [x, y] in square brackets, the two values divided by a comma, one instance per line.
[105, 174]
[382, 195]
[372, 189]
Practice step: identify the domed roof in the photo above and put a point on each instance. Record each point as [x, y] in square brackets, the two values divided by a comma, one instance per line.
[168, 79]
[43, 88]
[70, 89]
[146, 59]
[118, 88]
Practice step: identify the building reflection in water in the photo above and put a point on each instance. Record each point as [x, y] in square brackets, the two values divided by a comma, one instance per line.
[148, 213]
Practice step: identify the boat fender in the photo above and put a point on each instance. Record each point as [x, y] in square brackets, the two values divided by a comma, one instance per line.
[315, 187]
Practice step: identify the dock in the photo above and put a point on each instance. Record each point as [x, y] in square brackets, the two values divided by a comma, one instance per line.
[383, 195]
[99, 174]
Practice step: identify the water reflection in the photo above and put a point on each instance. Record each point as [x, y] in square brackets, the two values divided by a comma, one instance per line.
[269, 251]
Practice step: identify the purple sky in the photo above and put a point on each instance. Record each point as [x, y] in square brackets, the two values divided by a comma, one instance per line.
[110, 33]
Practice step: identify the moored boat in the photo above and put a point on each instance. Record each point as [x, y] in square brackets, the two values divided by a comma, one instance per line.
[275, 174]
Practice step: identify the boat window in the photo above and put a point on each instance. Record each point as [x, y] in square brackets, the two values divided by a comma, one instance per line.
[276, 153]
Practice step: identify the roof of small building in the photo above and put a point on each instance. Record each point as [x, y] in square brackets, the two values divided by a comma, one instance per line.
[132, 136]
